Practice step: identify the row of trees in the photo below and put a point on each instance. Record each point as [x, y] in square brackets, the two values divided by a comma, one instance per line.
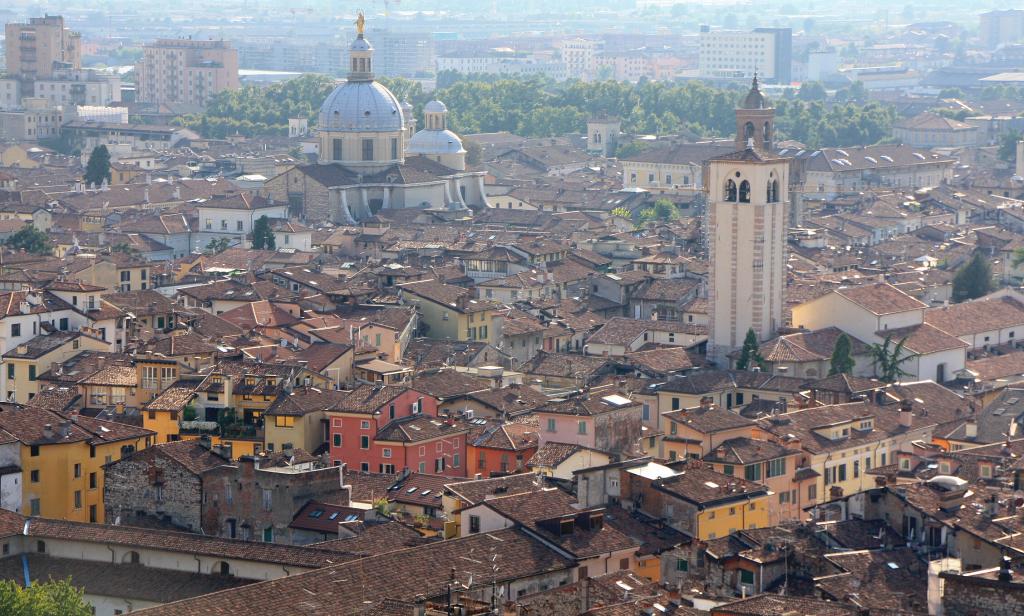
[540, 107]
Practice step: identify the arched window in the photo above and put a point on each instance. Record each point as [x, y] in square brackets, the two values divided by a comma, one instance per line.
[730, 190]
[744, 192]
[773, 191]
[748, 131]
[767, 134]
[131, 557]
[221, 568]
[597, 137]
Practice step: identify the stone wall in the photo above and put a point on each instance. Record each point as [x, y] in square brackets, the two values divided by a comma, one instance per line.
[981, 596]
[148, 486]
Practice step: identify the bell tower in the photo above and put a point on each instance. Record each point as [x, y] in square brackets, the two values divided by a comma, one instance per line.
[755, 121]
[747, 219]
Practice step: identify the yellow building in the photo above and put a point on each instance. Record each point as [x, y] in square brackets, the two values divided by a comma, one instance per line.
[25, 362]
[450, 312]
[696, 499]
[237, 394]
[62, 459]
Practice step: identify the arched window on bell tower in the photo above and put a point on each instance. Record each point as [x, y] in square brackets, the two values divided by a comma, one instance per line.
[773, 191]
[730, 190]
[767, 135]
[748, 132]
[744, 192]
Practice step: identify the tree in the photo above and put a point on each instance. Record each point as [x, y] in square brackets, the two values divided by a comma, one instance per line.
[98, 168]
[474, 153]
[1008, 146]
[887, 360]
[974, 279]
[621, 212]
[124, 247]
[750, 354]
[262, 236]
[52, 598]
[812, 91]
[31, 240]
[218, 245]
[841, 362]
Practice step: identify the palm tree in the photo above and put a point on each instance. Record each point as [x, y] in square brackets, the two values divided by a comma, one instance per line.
[888, 363]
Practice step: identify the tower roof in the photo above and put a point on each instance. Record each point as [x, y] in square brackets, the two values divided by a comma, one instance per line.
[754, 98]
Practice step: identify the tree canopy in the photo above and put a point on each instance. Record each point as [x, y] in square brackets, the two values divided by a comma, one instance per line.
[53, 598]
[98, 168]
[262, 235]
[538, 107]
[31, 240]
[888, 360]
[750, 355]
[973, 280]
[842, 360]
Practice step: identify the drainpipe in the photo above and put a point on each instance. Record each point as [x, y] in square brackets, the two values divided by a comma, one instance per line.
[199, 564]
[24, 568]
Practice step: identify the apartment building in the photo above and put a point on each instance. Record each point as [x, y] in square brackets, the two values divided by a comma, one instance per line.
[186, 71]
[996, 27]
[37, 48]
[739, 55]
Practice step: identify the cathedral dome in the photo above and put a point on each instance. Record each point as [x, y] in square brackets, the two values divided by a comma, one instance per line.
[435, 142]
[361, 106]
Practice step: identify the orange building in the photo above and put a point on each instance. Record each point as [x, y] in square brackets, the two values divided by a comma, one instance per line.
[501, 449]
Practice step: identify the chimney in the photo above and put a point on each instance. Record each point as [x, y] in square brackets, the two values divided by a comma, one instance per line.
[971, 428]
[1005, 572]
[48, 431]
[992, 508]
[906, 413]
[706, 402]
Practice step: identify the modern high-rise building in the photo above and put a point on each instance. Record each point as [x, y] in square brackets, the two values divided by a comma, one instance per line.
[1001, 27]
[735, 54]
[185, 71]
[41, 46]
[748, 191]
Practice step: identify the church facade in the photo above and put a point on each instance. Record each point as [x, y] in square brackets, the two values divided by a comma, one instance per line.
[370, 159]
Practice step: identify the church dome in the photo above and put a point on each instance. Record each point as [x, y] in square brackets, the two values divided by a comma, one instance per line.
[434, 142]
[361, 106]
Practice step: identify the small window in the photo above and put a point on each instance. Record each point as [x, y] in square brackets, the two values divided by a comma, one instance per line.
[582, 427]
[337, 440]
[41, 547]
[682, 564]
[474, 523]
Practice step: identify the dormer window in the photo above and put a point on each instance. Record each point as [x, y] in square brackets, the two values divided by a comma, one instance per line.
[566, 527]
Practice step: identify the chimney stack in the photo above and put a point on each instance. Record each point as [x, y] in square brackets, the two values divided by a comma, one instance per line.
[906, 413]
[971, 428]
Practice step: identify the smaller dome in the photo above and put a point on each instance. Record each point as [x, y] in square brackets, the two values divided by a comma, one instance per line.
[360, 44]
[435, 142]
[435, 107]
